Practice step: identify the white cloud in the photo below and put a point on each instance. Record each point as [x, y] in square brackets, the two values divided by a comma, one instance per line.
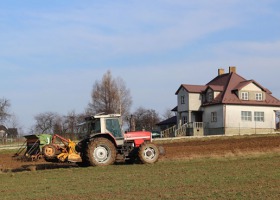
[114, 29]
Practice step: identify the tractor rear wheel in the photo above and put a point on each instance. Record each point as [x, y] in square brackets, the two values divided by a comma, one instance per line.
[50, 152]
[148, 153]
[101, 152]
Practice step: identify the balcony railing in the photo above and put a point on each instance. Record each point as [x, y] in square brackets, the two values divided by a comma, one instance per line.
[169, 132]
[183, 130]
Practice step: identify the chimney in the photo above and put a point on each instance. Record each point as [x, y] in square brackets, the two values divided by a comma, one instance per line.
[221, 72]
[232, 69]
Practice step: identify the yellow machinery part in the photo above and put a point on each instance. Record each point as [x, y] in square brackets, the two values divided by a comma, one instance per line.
[70, 154]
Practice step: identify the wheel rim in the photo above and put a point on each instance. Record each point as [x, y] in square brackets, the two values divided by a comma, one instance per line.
[149, 153]
[49, 151]
[101, 154]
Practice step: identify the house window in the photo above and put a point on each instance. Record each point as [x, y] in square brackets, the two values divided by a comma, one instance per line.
[182, 99]
[246, 115]
[184, 120]
[245, 95]
[259, 116]
[209, 97]
[259, 97]
[213, 116]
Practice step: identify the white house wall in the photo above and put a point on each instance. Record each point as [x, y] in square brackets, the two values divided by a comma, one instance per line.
[233, 117]
[194, 101]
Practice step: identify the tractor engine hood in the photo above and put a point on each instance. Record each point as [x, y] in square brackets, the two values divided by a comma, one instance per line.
[138, 136]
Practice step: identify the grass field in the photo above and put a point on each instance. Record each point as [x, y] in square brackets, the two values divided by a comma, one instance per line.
[256, 177]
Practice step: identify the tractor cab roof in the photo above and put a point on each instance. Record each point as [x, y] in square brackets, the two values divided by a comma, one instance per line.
[100, 115]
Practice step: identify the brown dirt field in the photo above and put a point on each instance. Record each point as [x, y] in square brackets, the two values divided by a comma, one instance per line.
[177, 149]
[222, 147]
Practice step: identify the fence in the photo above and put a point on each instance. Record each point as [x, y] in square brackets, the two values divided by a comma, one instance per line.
[204, 129]
[9, 141]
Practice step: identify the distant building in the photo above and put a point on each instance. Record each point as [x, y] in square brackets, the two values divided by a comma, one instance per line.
[3, 131]
[8, 132]
[228, 105]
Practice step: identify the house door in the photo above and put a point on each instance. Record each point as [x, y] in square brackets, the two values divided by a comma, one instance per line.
[197, 116]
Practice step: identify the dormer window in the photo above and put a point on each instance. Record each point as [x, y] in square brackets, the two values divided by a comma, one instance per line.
[259, 96]
[209, 96]
[245, 95]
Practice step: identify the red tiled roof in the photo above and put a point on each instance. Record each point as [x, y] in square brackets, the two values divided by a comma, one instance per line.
[227, 84]
[192, 88]
[218, 88]
[232, 82]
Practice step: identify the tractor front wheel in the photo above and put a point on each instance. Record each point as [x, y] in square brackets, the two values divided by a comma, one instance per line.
[148, 153]
[101, 152]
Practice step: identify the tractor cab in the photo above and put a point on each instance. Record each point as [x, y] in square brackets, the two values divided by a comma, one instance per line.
[101, 124]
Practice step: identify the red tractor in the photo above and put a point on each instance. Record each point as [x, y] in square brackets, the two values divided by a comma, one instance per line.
[102, 141]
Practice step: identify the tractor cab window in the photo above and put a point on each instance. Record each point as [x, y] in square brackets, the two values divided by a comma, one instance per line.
[87, 128]
[113, 126]
[95, 126]
[82, 130]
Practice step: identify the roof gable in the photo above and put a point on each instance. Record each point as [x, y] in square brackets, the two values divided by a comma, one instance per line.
[243, 84]
[3, 128]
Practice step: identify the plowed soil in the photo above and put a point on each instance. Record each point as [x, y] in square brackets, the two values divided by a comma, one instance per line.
[189, 148]
[222, 147]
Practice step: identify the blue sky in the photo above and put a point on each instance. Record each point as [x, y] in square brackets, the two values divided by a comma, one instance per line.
[52, 52]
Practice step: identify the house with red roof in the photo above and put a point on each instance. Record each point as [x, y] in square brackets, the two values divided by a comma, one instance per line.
[227, 105]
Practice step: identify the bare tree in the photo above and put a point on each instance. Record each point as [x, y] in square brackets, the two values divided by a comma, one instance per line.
[13, 121]
[110, 95]
[60, 125]
[72, 121]
[53, 123]
[67, 126]
[146, 119]
[45, 122]
[167, 114]
[4, 109]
